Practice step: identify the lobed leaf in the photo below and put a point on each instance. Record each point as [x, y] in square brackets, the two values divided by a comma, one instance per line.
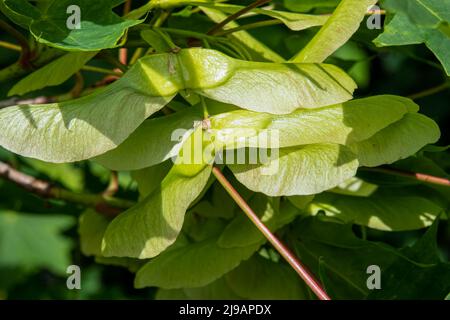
[427, 279]
[342, 256]
[34, 241]
[99, 28]
[418, 22]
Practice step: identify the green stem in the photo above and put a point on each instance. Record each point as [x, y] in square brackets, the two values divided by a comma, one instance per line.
[139, 12]
[430, 91]
[167, 39]
[309, 279]
[136, 55]
[113, 60]
[249, 26]
[162, 18]
[193, 34]
[236, 15]
[10, 46]
[205, 108]
[89, 200]
[23, 42]
[364, 232]
[101, 70]
[16, 70]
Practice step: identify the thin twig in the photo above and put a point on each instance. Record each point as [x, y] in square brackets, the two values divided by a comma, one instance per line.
[236, 15]
[101, 70]
[79, 85]
[249, 26]
[123, 52]
[10, 46]
[302, 271]
[26, 56]
[113, 185]
[412, 175]
[16, 70]
[136, 55]
[113, 60]
[15, 101]
[188, 33]
[430, 91]
[103, 204]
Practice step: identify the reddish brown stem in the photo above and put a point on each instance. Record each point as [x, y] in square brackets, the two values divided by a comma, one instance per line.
[412, 175]
[104, 204]
[26, 54]
[113, 186]
[302, 271]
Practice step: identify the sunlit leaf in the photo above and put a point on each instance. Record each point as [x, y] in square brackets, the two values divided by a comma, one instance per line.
[383, 210]
[293, 21]
[241, 232]
[157, 219]
[398, 141]
[258, 50]
[194, 265]
[99, 26]
[155, 141]
[302, 170]
[97, 123]
[337, 30]
[345, 123]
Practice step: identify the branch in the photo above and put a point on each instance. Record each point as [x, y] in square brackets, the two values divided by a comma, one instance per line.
[249, 26]
[309, 279]
[16, 70]
[26, 55]
[15, 101]
[10, 46]
[412, 175]
[104, 204]
[113, 185]
[236, 15]
[107, 56]
[431, 91]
